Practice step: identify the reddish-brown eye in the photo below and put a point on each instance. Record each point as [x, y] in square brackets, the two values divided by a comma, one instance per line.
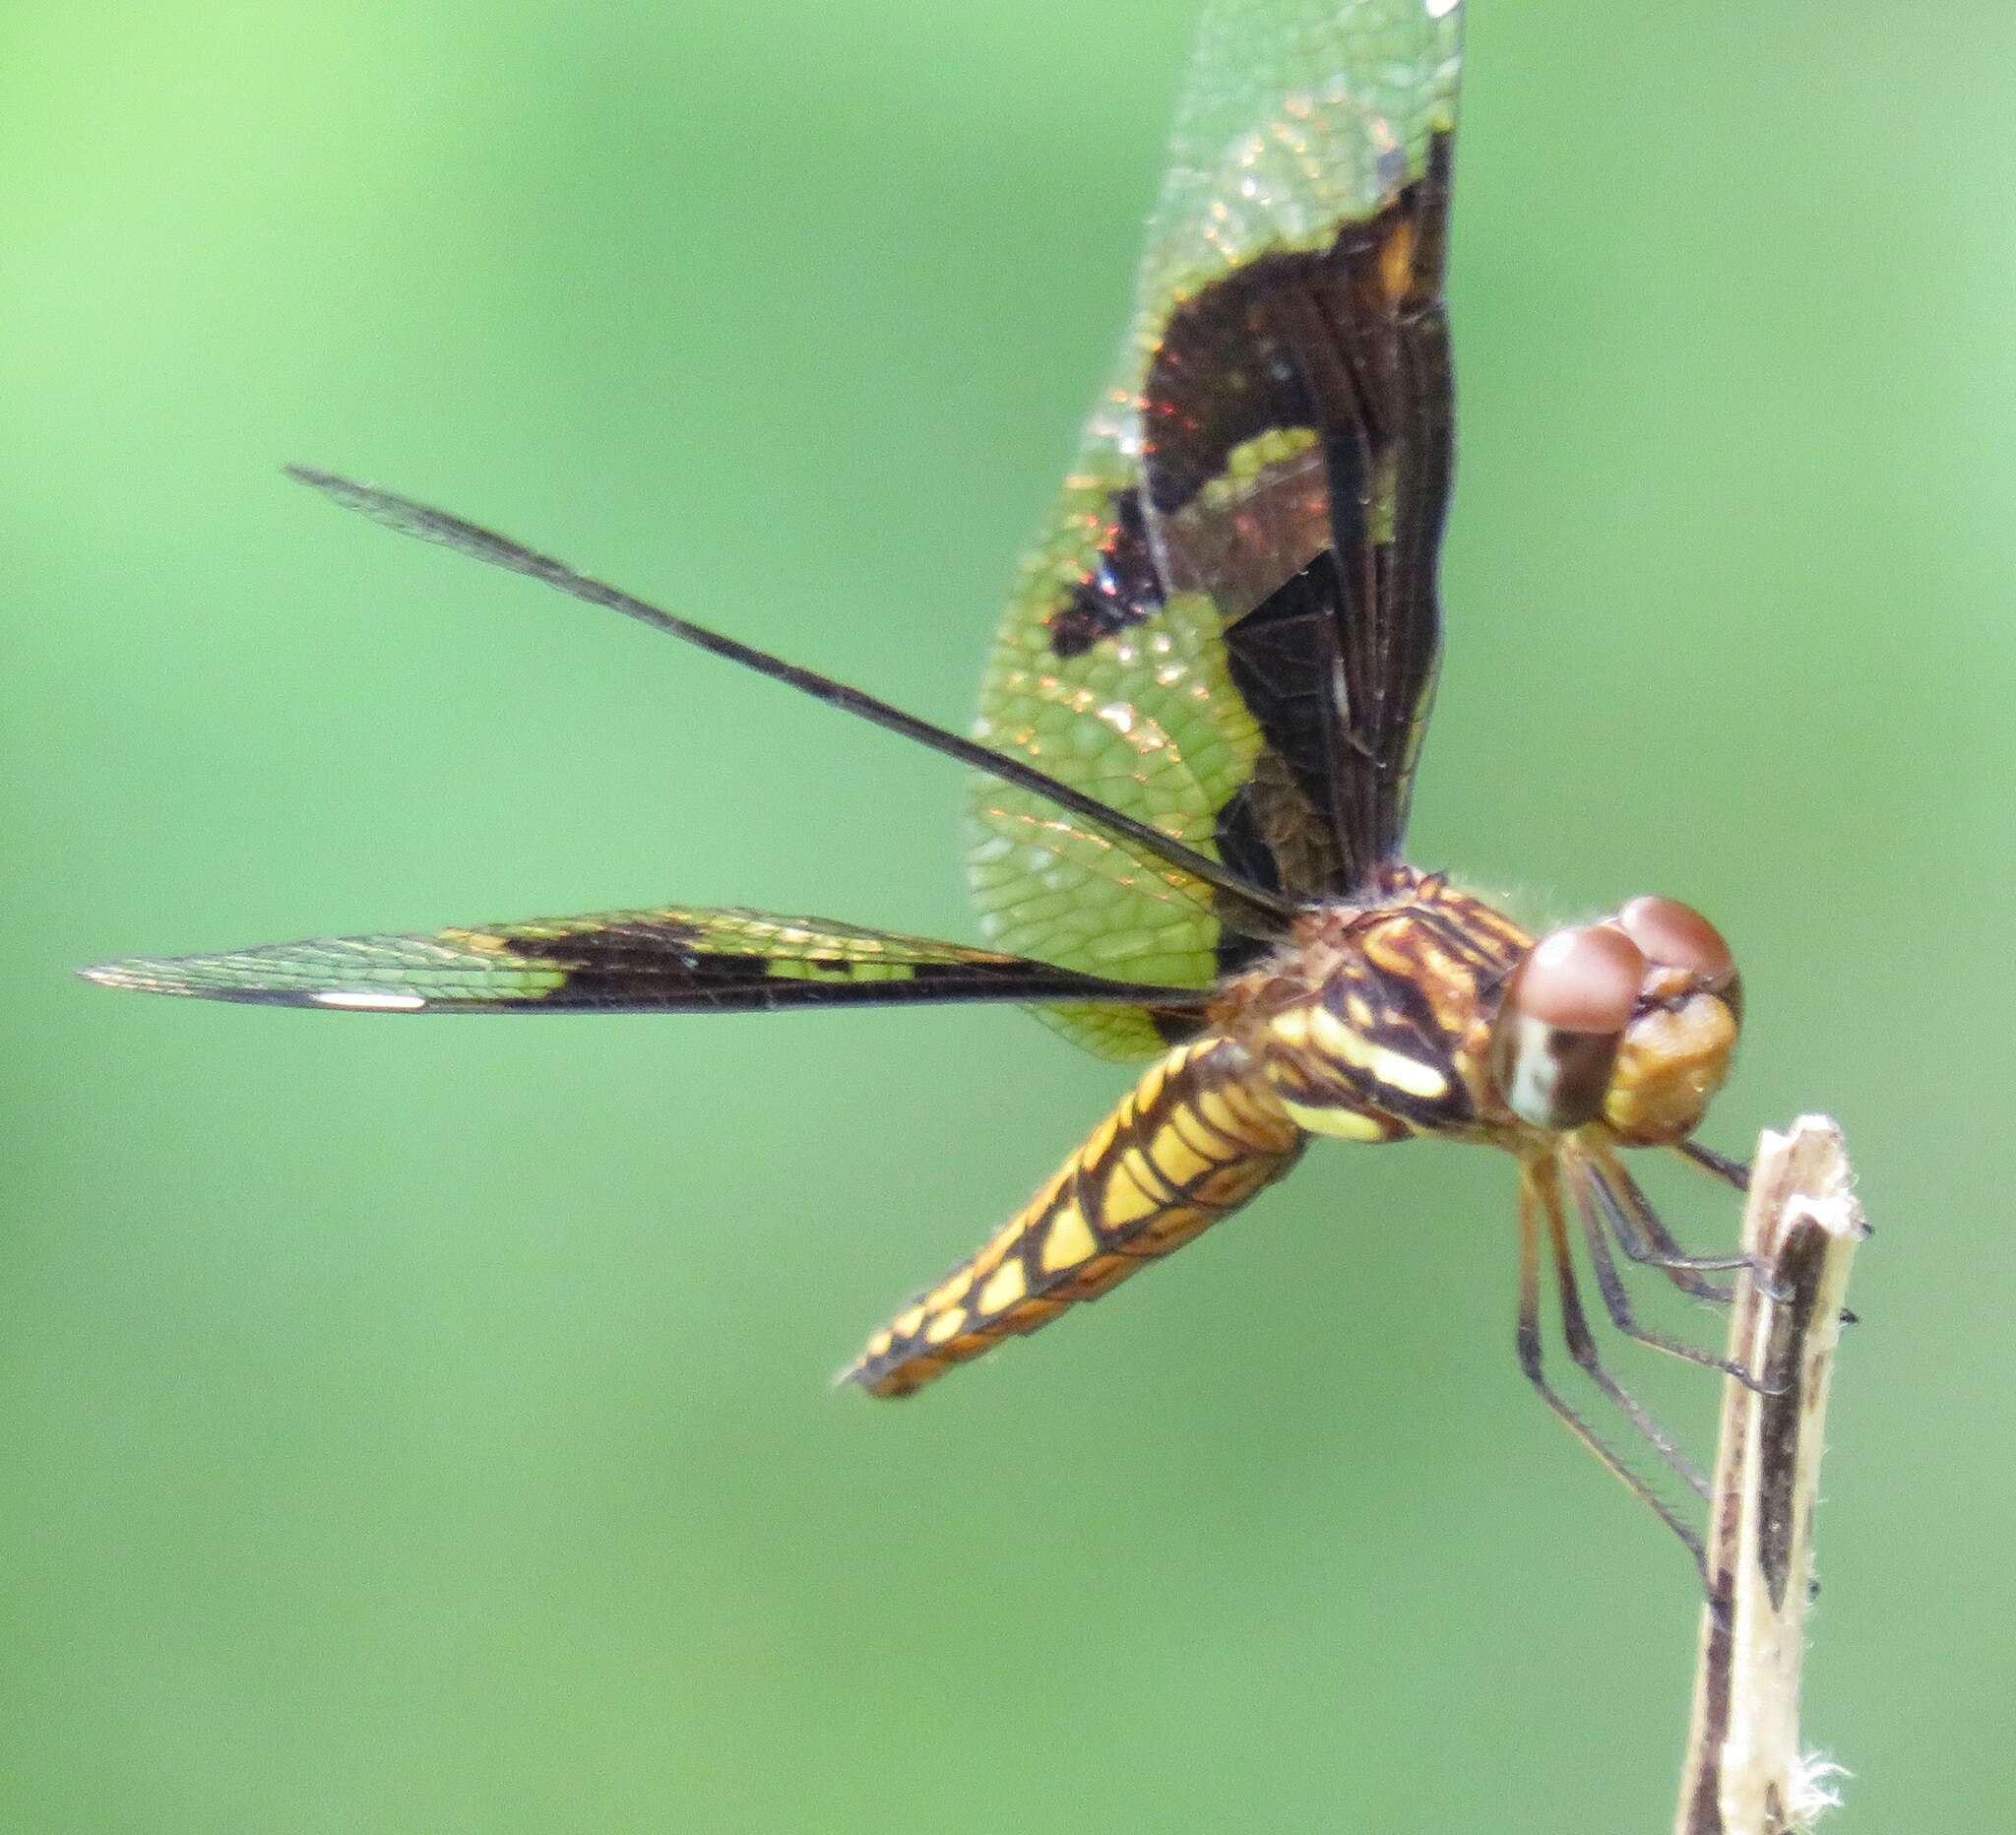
[1556, 1039]
[1586, 978]
[1677, 936]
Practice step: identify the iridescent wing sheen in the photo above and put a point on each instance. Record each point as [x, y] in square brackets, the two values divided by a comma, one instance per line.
[665, 961]
[1228, 625]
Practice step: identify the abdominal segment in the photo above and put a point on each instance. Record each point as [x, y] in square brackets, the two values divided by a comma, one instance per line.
[1197, 1137]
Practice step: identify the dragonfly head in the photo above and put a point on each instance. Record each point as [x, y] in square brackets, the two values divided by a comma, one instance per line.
[1632, 1020]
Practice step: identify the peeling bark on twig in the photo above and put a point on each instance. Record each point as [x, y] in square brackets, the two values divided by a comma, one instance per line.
[1744, 1773]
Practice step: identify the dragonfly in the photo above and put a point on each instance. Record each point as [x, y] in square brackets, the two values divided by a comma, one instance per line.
[1199, 727]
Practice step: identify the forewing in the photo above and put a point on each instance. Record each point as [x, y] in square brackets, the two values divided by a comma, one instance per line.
[1229, 626]
[665, 961]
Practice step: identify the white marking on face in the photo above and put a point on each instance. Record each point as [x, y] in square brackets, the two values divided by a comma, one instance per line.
[362, 1000]
[1533, 1091]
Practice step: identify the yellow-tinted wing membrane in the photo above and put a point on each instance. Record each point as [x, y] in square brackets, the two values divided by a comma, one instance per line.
[665, 960]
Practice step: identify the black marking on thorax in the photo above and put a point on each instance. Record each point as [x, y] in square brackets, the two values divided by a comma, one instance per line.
[1404, 1021]
[1412, 974]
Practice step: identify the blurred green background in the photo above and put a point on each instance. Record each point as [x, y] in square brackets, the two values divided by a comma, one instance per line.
[423, 1427]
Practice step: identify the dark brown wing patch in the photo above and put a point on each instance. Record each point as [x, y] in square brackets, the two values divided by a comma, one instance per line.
[1299, 417]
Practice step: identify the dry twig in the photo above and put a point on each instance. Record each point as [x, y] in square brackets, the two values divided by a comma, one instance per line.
[1744, 1773]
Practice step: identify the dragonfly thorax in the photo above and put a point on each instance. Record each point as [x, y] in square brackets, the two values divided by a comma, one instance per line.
[1374, 1021]
[1427, 1011]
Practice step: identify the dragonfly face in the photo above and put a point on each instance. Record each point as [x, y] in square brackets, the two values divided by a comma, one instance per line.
[1196, 748]
[1632, 1020]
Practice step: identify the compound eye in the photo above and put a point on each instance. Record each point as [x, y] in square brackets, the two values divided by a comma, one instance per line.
[1556, 1039]
[1677, 936]
[1585, 978]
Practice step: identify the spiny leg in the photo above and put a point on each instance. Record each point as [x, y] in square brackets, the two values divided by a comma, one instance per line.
[1617, 1298]
[1581, 1342]
[1529, 1344]
[1670, 1256]
[1733, 1172]
[1645, 1238]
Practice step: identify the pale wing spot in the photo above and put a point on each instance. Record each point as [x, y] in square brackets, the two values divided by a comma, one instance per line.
[945, 1325]
[880, 1343]
[361, 1000]
[1068, 1242]
[905, 1324]
[1008, 1286]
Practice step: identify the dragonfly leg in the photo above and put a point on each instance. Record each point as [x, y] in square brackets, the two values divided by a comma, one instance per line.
[1581, 1342]
[1617, 1298]
[1529, 1363]
[1643, 1238]
[1733, 1172]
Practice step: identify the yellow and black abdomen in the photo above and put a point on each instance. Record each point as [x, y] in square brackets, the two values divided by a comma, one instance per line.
[1196, 1138]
